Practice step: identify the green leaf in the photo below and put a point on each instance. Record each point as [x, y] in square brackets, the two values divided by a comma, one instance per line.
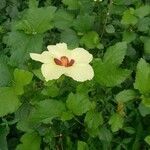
[142, 81]
[90, 40]
[67, 116]
[5, 76]
[72, 4]
[146, 100]
[21, 78]
[144, 24]
[33, 4]
[115, 54]
[146, 41]
[105, 134]
[30, 140]
[51, 90]
[129, 18]
[147, 139]
[21, 45]
[83, 23]
[107, 72]
[78, 104]
[36, 20]
[70, 37]
[116, 122]
[82, 146]
[63, 19]
[3, 141]
[45, 111]
[125, 96]
[9, 102]
[93, 119]
[129, 36]
[110, 29]
[142, 11]
[144, 110]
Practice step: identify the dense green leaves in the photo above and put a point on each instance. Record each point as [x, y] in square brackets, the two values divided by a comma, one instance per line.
[102, 113]
[107, 71]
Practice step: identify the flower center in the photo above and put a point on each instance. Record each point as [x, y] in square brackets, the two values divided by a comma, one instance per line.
[64, 61]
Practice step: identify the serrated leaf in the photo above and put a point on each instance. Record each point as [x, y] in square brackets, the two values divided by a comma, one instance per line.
[33, 3]
[110, 29]
[36, 20]
[129, 36]
[70, 37]
[30, 140]
[93, 119]
[146, 41]
[105, 134]
[115, 54]
[107, 72]
[83, 23]
[3, 141]
[144, 110]
[125, 96]
[82, 146]
[63, 19]
[90, 40]
[116, 122]
[72, 4]
[45, 111]
[142, 11]
[66, 116]
[144, 24]
[21, 45]
[142, 81]
[147, 139]
[5, 76]
[78, 104]
[129, 17]
[9, 101]
[146, 100]
[21, 78]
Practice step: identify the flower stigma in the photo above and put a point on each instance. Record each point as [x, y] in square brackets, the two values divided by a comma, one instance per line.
[64, 61]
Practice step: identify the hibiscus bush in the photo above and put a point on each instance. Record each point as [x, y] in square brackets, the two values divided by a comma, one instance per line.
[74, 74]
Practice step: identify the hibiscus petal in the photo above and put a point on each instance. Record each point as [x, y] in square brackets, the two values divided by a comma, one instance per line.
[59, 50]
[51, 71]
[81, 55]
[45, 57]
[80, 72]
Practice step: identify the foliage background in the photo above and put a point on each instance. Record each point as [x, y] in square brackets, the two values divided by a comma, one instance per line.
[112, 111]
